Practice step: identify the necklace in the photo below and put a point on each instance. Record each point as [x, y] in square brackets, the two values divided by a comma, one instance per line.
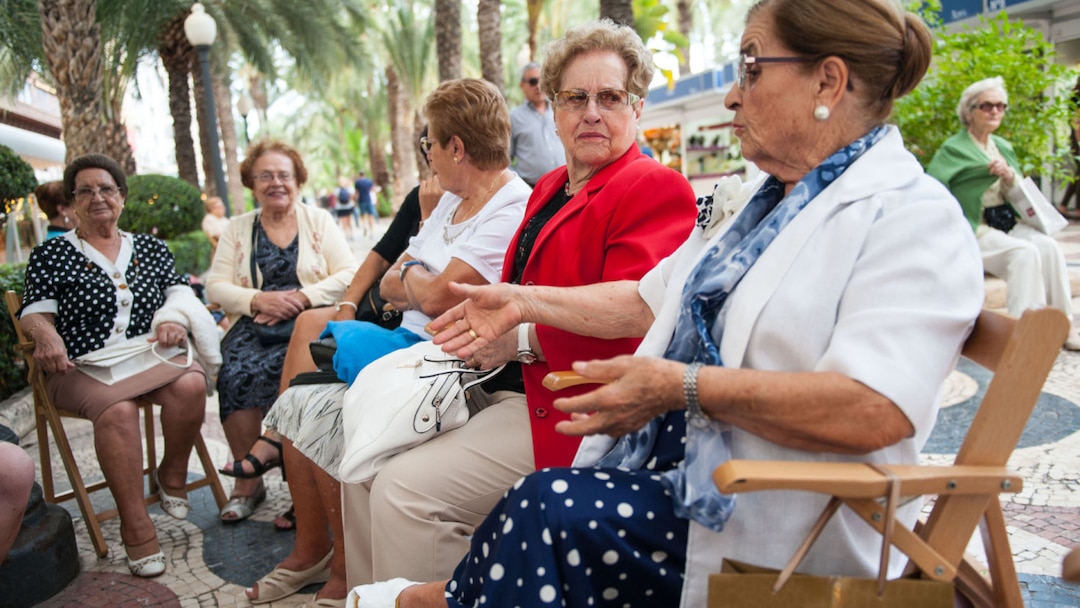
[447, 238]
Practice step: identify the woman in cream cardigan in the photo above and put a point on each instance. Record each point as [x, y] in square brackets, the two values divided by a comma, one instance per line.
[301, 260]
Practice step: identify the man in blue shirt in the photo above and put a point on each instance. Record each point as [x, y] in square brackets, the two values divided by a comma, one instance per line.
[535, 148]
[365, 204]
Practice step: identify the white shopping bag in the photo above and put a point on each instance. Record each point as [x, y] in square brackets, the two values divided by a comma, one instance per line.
[1035, 210]
[116, 362]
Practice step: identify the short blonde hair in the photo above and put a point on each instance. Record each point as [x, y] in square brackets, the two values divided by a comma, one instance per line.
[601, 35]
[475, 111]
[211, 202]
[970, 94]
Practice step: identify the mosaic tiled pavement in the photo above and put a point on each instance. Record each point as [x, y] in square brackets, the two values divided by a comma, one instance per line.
[210, 564]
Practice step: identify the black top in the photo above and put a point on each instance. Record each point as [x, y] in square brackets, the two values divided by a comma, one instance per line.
[510, 379]
[405, 226]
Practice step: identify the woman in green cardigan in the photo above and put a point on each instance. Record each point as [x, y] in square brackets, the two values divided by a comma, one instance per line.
[982, 172]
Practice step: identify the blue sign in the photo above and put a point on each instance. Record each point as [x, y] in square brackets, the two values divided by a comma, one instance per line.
[715, 80]
[956, 10]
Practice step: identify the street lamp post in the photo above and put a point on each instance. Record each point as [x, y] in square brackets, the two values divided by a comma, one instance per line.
[244, 105]
[201, 30]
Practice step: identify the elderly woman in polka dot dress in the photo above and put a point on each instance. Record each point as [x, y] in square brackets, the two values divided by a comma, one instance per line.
[96, 286]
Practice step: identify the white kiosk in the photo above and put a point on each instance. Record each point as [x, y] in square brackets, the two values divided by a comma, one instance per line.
[689, 129]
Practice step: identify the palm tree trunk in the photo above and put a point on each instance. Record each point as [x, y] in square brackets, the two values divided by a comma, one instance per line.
[686, 23]
[533, 7]
[72, 43]
[448, 38]
[619, 11]
[401, 135]
[117, 145]
[489, 26]
[178, 57]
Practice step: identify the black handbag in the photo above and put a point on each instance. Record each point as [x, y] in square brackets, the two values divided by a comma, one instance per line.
[268, 335]
[1000, 217]
[322, 353]
[374, 309]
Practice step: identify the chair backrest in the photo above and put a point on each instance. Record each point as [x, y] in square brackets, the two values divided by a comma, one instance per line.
[25, 345]
[1021, 354]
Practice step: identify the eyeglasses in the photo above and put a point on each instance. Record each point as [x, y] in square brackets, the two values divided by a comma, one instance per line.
[988, 106]
[532, 82]
[609, 100]
[745, 60]
[268, 177]
[84, 194]
[425, 145]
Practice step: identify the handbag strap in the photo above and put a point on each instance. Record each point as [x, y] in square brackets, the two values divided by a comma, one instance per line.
[892, 499]
[254, 246]
[167, 361]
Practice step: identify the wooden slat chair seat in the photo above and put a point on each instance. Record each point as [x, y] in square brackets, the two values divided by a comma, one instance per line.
[1021, 354]
[47, 417]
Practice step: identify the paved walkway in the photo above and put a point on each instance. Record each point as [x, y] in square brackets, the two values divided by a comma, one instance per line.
[210, 564]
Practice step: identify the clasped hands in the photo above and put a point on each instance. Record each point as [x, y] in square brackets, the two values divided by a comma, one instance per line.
[277, 306]
[632, 390]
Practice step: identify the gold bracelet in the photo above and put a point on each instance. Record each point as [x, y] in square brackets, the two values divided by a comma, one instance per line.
[34, 327]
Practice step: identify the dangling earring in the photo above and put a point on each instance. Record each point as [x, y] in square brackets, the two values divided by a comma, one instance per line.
[66, 221]
[821, 112]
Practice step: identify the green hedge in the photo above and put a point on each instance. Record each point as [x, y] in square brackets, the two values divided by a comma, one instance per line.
[192, 252]
[12, 371]
[163, 206]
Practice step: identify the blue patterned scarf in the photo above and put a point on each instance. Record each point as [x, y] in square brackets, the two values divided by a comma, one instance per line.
[700, 327]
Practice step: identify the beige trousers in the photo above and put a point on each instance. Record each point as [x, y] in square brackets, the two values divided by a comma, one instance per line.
[415, 518]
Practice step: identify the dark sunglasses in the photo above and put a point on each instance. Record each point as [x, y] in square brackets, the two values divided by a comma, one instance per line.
[532, 82]
[988, 107]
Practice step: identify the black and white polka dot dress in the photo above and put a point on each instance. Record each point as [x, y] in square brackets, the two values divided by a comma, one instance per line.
[581, 538]
[250, 372]
[97, 301]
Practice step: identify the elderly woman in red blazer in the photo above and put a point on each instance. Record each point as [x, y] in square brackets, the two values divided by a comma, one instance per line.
[611, 213]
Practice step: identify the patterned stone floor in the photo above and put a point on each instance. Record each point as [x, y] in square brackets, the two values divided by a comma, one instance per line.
[210, 564]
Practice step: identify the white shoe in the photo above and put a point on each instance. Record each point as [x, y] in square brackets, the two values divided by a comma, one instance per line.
[149, 566]
[1073, 341]
[377, 595]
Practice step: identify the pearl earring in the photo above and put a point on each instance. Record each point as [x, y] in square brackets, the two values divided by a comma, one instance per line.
[456, 160]
[821, 112]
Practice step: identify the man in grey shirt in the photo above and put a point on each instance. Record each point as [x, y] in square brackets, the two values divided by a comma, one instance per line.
[535, 148]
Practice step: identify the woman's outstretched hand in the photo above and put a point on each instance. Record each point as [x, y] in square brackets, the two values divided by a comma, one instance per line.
[488, 312]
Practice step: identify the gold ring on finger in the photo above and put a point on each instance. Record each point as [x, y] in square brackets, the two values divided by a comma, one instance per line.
[472, 333]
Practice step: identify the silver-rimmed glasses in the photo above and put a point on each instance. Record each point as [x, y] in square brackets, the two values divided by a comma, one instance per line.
[609, 100]
[84, 193]
[425, 145]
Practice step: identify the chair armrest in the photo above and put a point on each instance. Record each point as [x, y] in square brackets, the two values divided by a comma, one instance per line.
[857, 480]
[556, 381]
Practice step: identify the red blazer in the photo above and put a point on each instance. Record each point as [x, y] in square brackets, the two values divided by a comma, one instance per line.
[630, 215]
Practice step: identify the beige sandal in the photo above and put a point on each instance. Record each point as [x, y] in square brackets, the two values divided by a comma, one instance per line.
[282, 582]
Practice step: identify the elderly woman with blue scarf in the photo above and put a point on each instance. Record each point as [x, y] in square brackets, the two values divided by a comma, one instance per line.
[813, 316]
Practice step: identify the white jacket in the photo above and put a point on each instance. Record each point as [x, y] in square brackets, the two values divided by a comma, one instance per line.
[878, 278]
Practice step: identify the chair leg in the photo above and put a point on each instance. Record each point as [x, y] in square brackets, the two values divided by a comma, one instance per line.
[78, 488]
[999, 557]
[212, 478]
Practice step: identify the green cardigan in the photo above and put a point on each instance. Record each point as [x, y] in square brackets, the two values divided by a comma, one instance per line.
[962, 166]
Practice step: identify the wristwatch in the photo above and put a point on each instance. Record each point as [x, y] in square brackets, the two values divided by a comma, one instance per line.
[406, 266]
[525, 354]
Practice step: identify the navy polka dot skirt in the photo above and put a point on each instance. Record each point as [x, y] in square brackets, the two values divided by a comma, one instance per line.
[581, 537]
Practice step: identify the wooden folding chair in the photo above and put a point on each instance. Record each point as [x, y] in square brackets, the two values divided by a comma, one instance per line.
[1021, 354]
[47, 417]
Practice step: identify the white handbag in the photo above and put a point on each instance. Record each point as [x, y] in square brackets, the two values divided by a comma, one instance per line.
[1035, 210]
[116, 362]
[400, 401]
